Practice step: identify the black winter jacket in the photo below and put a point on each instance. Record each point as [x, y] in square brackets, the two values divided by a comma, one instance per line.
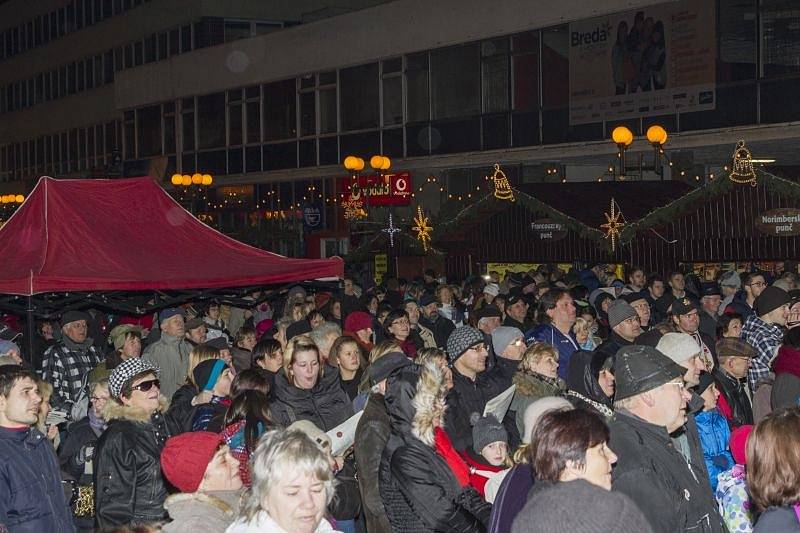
[583, 387]
[441, 329]
[127, 466]
[79, 435]
[674, 495]
[372, 434]
[735, 396]
[419, 491]
[326, 405]
[31, 497]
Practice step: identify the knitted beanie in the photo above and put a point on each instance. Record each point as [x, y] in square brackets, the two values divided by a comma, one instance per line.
[738, 443]
[461, 340]
[485, 431]
[357, 320]
[207, 373]
[185, 458]
[503, 336]
[620, 311]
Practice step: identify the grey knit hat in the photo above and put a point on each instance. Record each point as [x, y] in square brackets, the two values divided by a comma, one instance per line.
[620, 311]
[125, 371]
[486, 430]
[461, 340]
[503, 336]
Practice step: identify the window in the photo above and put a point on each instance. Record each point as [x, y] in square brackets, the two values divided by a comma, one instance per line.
[211, 121]
[149, 130]
[495, 75]
[253, 122]
[186, 39]
[327, 110]
[169, 128]
[455, 81]
[358, 98]
[150, 49]
[235, 30]
[162, 46]
[308, 113]
[392, 99]
[417, 87]
[780, 27]
[279, 110]
[187, 120]
[235, 124]
[108, 67]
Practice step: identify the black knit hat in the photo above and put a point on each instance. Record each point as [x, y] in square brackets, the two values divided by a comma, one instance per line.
[207, 372]
[486, 430]
[461, 340]
[639, 369]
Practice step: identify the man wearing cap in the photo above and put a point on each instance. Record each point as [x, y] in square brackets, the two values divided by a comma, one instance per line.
[201, 467]
[685, 316]
[763, 330]
[710, 300]
[638, 301]
[517, 311]
[734, 402]
[729, 283]
[196, 331]
[127, 472]
[372, 434]
[660, 465]
[170, 353]
[66, 363]
[473, 385]
[624, 323]
[441, 327]
[490, 291]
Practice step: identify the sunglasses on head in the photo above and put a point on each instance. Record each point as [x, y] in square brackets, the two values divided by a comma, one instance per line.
[145, 386]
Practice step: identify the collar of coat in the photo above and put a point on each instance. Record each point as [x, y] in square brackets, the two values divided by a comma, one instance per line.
[117, 411]
[531, 383]
[226, 502]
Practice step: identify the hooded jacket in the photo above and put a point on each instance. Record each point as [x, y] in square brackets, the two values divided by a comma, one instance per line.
[326, 404]
[31, 497]
[372, 433]
[531, 387]
[673, 493]
[127, 465]
[419, 491]
[583, 389]
[210, 512]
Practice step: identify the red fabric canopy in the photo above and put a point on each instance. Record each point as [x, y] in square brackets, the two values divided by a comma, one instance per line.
[129, 234]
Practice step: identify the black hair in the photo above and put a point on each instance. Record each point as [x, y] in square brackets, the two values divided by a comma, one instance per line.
[250, 406]
[792, 338]
[652, 278]
[9, 375]
[547, 302]
[393, 315]
[264, 348]
[724, 321]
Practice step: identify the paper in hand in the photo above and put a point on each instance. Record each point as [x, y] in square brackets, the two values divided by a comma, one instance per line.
[498, 406]
[343, 435]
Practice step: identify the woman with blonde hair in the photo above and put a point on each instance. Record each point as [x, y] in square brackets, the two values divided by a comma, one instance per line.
[536, 377]
[773, 471]
[307, 389]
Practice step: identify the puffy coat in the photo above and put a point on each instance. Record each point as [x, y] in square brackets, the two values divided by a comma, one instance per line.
[326, 405]
[31, 497]
[714, 437]
[673, 494]
[209, 512]
[127, 466]
[372, 433]
[419, 491]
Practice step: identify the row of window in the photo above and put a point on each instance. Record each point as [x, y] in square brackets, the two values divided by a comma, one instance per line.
[86, 74]
[75, 15]
[81, 149]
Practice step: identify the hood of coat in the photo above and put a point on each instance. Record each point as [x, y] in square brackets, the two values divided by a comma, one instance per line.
[531, 384]
[117, 411]
[289, 394]
[581, 379]
[429, 403]
[401, 386]
[224, 504]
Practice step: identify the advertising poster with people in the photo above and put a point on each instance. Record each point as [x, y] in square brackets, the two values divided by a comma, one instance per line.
[650, 62]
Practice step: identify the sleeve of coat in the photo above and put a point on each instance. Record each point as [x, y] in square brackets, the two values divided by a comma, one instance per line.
[368, 460]
[642, 487]
[427, 499]
[115, 484]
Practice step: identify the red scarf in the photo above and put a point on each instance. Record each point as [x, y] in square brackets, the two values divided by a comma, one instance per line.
[444, 447]
[787, 362]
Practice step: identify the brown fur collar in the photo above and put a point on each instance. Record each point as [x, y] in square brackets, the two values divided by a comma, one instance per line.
[117, 411]
[529, 384]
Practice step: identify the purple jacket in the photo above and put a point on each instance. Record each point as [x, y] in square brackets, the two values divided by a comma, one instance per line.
[511, 498]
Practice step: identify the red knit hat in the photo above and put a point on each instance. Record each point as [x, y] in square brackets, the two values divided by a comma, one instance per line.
[357, 320]
[185, 458]
[738, 443]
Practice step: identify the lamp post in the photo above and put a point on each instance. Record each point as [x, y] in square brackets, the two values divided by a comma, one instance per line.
[657, 136]
[192, 184]
[8, 204]
[622, 137]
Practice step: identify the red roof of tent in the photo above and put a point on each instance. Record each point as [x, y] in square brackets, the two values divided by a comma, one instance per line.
[129, 234]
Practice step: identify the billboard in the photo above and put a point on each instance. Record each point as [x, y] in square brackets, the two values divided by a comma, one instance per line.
[380, 189]
[654, 61]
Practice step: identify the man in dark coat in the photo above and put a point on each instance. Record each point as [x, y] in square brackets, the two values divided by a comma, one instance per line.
[731, 378]
[372, 434]
[440, 326]
[31, 497]
[710, 299]
[473, 385]
[624, 323]
[660, 462]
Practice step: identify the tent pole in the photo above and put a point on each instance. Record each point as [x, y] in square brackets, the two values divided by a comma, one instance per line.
[30, 330]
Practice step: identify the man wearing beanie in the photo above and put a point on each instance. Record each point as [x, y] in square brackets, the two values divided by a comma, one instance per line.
[660, 464]
[683, 350]
[580, 507]
[763, 330]
[624, 323]
[473, 385]
[202, 468]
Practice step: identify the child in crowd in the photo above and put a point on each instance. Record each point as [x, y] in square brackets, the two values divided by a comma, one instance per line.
[714, 431]
[488, 460]
[732, 496]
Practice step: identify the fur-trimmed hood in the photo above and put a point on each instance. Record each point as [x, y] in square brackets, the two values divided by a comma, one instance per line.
[202, 511]
[529, 384]
[429, 405]
[116, 411]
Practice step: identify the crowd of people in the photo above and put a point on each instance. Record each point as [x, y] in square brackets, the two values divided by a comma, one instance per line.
[650, 403]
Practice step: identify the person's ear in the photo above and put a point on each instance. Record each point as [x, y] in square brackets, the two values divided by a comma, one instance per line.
[649, 399]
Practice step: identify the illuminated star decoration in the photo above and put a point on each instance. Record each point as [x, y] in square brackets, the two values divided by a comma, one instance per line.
[422, 228]
[502, 188]
[391, 230]
[613, 224]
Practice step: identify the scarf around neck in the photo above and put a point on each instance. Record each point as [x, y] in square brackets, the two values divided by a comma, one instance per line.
[444, 447]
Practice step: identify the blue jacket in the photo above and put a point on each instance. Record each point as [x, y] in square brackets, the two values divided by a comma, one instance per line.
[565, 344]
[714, 437]
[31, 497]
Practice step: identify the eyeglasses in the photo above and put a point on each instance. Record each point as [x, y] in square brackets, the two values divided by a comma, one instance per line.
[145, 386]
[680, 384]
[480, 348]
[98, 399]
[401, 322]
[758, 284]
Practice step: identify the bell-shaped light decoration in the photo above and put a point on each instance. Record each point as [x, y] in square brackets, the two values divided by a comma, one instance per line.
[743, 171]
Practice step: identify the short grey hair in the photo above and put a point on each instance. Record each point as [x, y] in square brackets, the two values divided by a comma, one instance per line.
[321, 333]
[279, 452]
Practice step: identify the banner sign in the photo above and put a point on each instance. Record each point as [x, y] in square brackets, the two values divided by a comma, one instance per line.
[779, 222]
[654, 61]
[312, 216]
[547, 229]
[380, 190]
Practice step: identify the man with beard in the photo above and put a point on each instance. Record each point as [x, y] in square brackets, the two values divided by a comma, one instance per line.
[412, 308]
[441, 327]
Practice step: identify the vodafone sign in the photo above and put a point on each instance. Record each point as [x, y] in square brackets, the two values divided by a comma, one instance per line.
[376, 189]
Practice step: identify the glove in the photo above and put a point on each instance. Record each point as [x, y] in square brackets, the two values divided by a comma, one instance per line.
[86, 453]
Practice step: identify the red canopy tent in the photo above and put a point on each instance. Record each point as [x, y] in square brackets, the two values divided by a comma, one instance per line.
[129, 235]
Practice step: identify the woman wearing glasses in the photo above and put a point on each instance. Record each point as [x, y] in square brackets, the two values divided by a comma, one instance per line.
[128, 483]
